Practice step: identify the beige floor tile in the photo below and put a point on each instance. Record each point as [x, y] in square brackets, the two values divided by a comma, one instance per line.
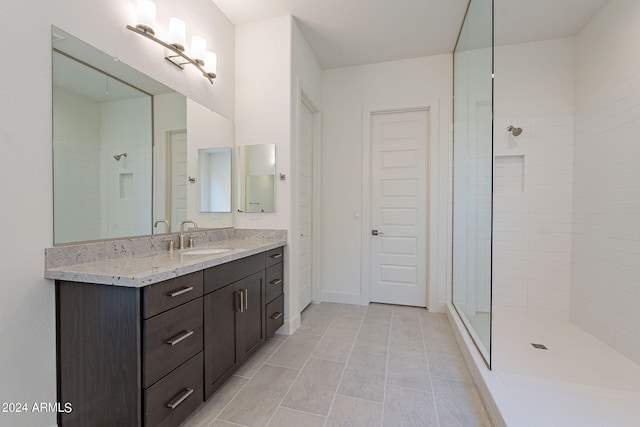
[405, 407]
[220, 423]
[459, 404]
[216, 403]
[349, 412]
[295, 351]
[315, 387]
[441, 343]
[336, 344]
[316, 322]
[408, 368]
[406, 336]
[348, 321]
[258, 400]
[448, 365]
[372, 339]
[251, 366]
[285, 417]
[364, 376]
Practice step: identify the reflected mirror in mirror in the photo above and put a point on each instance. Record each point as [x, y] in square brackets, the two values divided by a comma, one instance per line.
[256, 178]
[124, 146]
[214, 179]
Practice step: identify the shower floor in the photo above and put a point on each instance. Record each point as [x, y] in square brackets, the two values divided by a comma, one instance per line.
[578, 381]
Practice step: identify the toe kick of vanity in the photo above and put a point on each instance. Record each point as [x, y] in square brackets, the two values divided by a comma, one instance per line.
[150, 355]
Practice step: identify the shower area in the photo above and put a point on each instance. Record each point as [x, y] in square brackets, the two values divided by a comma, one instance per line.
[545, 265]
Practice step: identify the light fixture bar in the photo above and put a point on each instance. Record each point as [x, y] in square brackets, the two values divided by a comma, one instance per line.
[174, 59]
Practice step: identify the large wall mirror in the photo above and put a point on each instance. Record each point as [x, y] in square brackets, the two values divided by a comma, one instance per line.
[125, 150]
[256, 178]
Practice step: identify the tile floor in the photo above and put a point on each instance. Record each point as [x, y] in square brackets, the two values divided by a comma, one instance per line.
[349, 365]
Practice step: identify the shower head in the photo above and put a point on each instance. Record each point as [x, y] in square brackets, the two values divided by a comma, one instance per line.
[119, 156]
[514, 130]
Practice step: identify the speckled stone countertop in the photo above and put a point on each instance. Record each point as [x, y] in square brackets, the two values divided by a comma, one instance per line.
[87, 262]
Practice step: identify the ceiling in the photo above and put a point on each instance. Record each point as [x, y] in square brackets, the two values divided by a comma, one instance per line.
[343, 33]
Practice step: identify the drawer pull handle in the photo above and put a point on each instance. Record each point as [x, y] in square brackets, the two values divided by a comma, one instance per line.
[182, 336]
[180, 292]
[276, 282]
[186, 393]
[246, 299]
[276, 256]
[276, 316]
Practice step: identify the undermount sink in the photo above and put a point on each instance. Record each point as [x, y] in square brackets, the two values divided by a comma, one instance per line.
[206, 251]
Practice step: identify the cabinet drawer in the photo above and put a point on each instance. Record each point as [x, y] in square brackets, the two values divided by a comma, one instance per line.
[170, 339]
[275, 315]
[274, 282]
[274, 256]
[172, 399]
[171, 293]
[224, 274]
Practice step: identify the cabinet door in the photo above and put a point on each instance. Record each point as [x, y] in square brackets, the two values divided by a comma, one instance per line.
[219, 336]
[250, 320]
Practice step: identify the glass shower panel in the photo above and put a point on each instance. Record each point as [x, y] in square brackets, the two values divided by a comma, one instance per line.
[472, 173]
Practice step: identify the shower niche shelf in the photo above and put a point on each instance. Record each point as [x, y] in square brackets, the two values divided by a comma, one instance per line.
[508, 174]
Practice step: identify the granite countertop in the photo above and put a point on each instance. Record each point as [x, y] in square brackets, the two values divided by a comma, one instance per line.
[148, 268]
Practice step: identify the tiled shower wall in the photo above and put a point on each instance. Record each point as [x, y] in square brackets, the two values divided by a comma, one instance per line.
[533, 178]
[606, 247]
[605, 288]
[532, 216]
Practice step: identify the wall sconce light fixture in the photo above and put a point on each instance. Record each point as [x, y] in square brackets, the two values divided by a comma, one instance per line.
[203, 60]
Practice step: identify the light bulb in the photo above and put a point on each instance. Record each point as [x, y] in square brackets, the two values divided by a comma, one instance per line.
[146, 16]
[210, 63]
[177, 33]
[198, 49]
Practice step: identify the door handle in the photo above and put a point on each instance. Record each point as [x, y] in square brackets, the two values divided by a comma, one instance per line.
[376, 232]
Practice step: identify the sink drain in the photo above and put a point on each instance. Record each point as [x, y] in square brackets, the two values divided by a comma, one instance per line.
[539, 346]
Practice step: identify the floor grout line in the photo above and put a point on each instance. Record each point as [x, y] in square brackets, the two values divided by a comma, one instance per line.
[426, 357]
[300, 372]
[344, 369]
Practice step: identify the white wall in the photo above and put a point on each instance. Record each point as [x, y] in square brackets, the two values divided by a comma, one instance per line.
[273, 59]
[605, 286]
[27, 318]
[534, 90]
[346, 92]
[263, 110]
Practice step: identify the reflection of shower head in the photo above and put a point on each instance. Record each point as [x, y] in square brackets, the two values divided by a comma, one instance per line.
[514, 130]
[119, 156]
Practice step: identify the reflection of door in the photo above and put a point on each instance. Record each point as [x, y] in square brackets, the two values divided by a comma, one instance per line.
[399, 207]
[305, 203]
[177, 174]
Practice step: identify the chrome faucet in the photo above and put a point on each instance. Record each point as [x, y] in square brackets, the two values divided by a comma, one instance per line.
[182, 224]
[166, 223]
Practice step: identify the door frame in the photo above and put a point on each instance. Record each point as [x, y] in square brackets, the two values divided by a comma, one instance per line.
[431, 108]
[303, 97]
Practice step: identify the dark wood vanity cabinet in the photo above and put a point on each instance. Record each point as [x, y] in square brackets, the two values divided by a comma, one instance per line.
[149, 356]
[233, 317]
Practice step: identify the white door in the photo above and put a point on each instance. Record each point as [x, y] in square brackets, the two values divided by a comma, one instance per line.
[178, 179]
[399, 207]
[305, 203]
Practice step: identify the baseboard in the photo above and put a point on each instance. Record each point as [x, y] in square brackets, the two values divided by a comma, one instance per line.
[342, 298]
[476, 365]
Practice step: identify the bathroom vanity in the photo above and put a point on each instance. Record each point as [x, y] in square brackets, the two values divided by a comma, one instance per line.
[135, 348]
